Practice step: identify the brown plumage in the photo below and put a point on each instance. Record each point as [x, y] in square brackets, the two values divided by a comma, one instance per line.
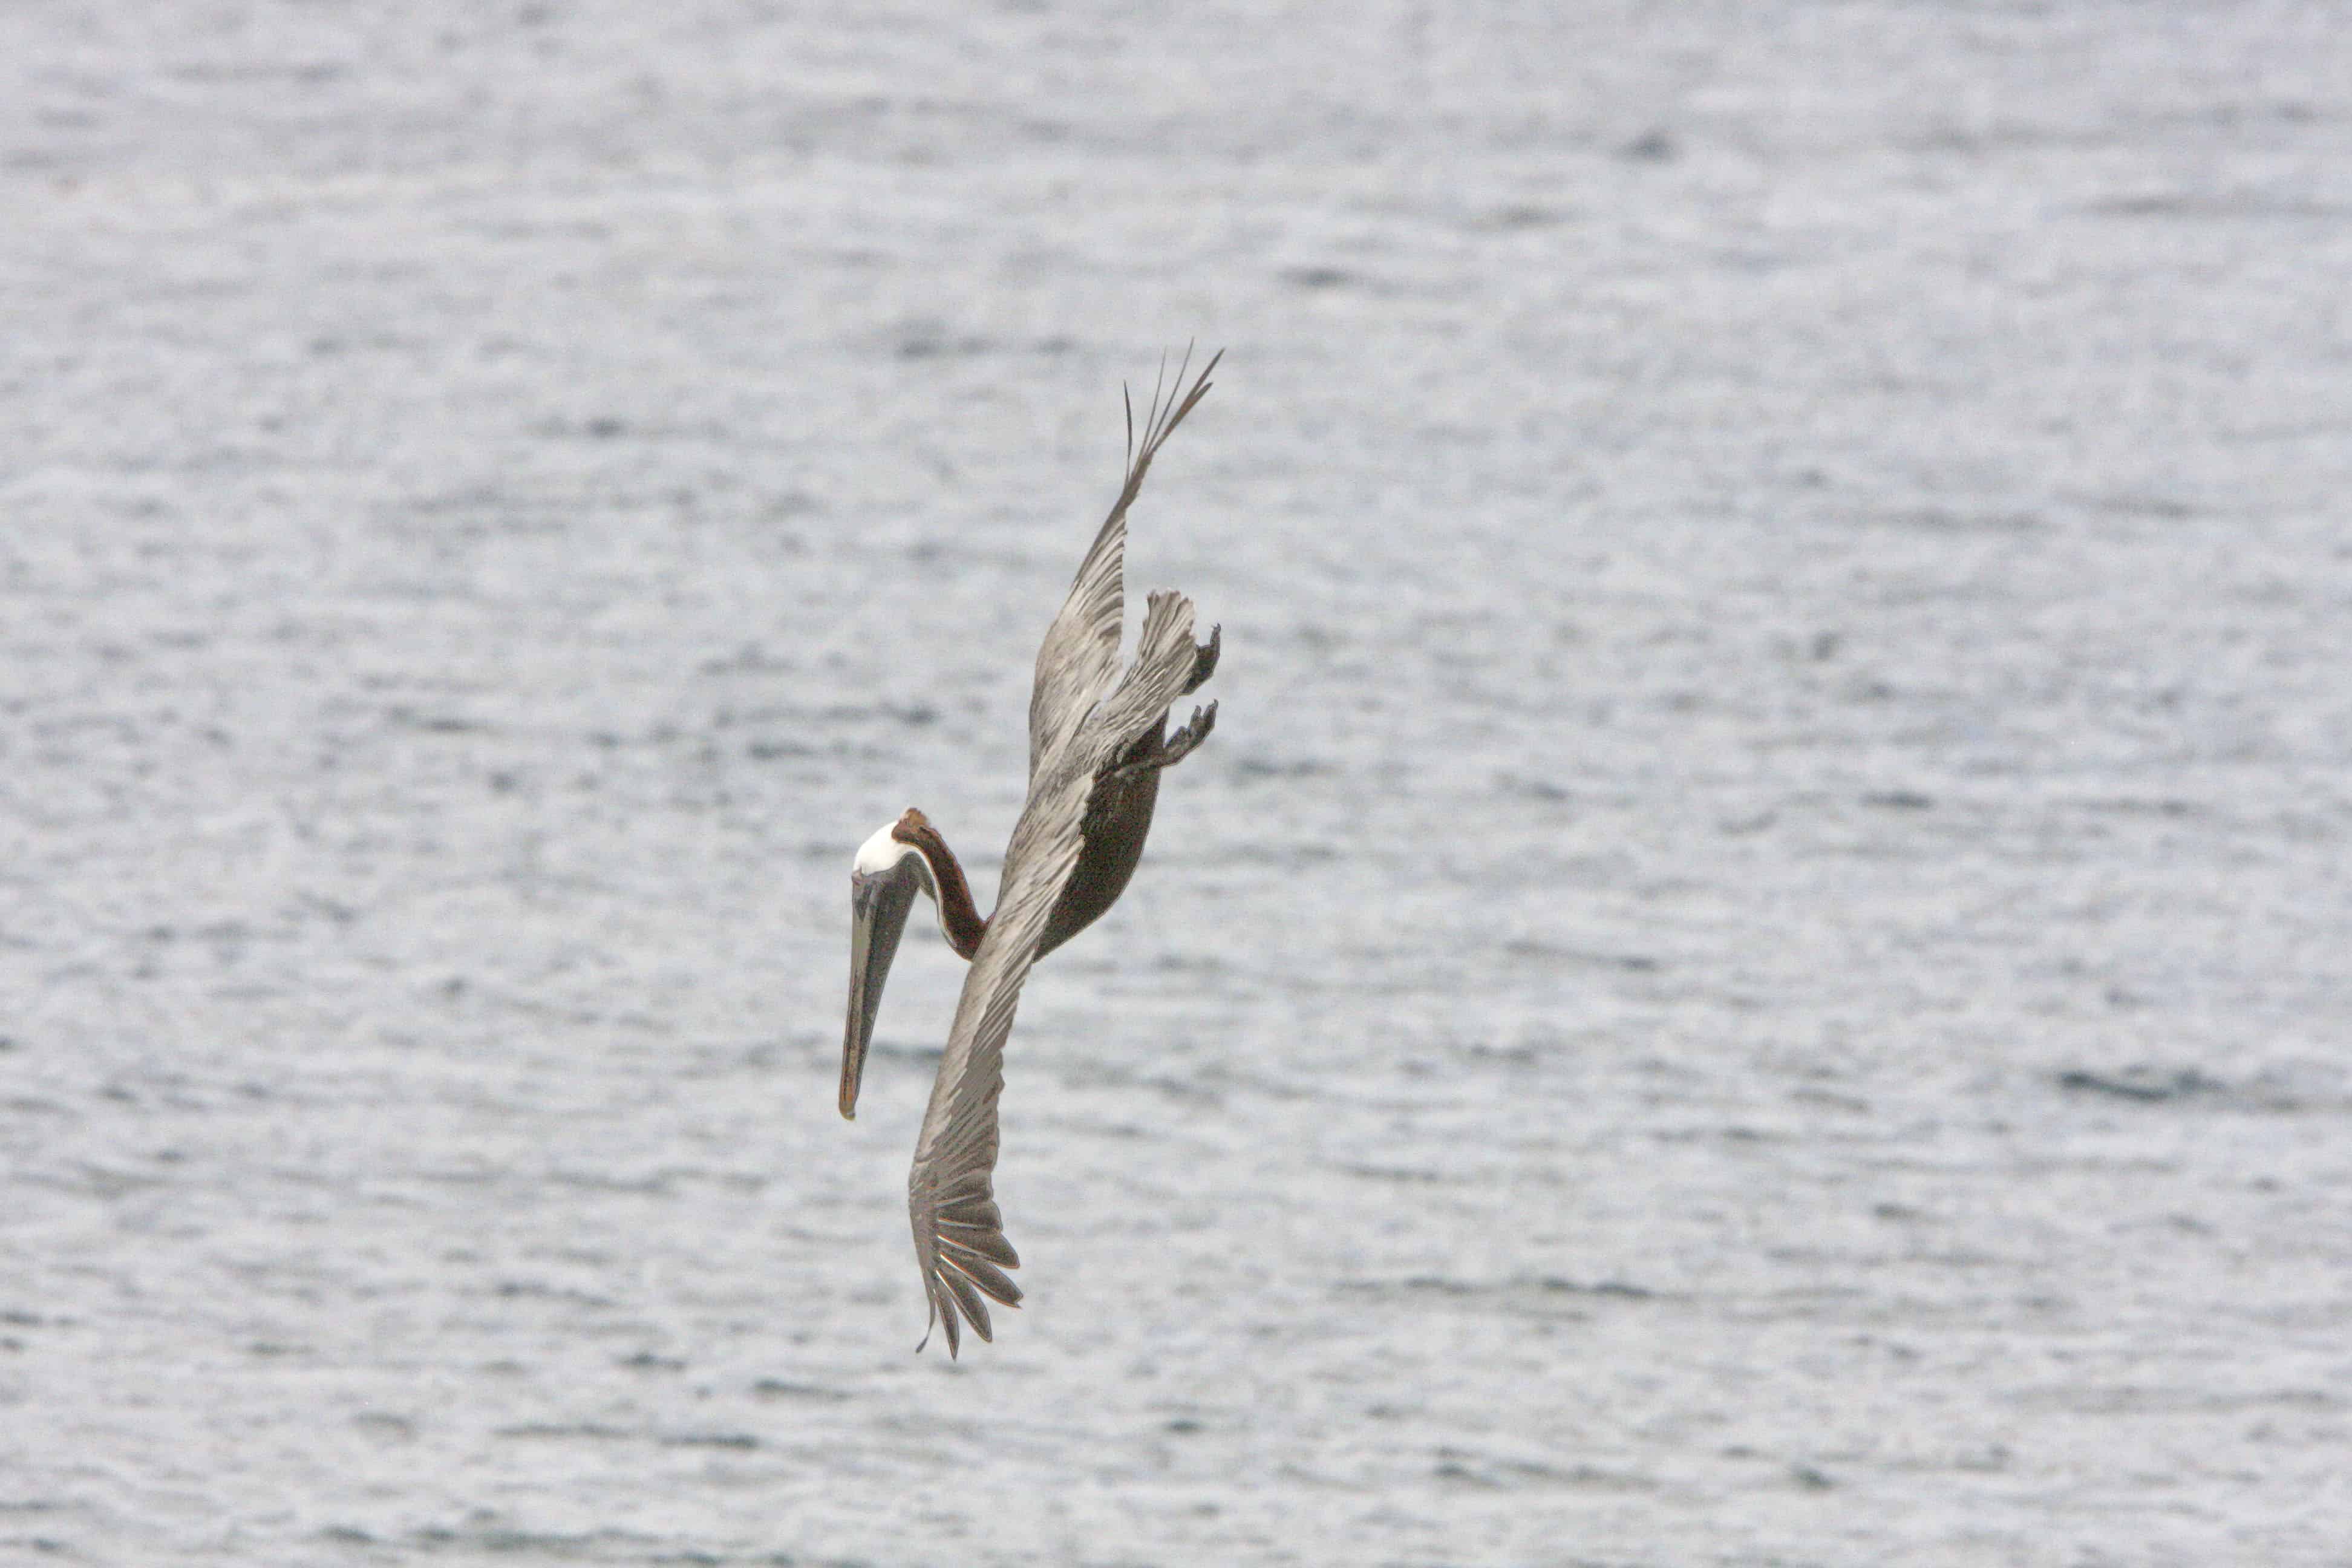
[1097, 744]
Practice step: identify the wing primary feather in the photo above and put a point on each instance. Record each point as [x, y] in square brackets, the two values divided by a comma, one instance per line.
[1182, 366]
[989, 1243]
[993, 1281]
[1078, 660]
[966, 1296]
[970, 1203]
[943, 1313]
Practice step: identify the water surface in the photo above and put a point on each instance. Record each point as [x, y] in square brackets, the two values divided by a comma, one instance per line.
[1754, 973]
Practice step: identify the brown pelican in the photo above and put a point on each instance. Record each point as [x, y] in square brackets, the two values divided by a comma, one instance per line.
[1097, 743]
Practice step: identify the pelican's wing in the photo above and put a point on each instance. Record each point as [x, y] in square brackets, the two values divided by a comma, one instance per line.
[951, 1193]
[1080, 652]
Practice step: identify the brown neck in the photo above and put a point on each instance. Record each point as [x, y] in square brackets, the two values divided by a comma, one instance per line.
[958, 916]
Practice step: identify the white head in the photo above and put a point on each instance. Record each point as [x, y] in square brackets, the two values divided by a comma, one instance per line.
[885, 852]
[881, 852]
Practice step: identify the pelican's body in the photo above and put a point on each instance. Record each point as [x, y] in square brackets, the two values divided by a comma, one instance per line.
[1117, 820]
[1097, 743]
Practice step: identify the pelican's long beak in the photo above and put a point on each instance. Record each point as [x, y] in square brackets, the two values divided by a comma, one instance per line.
[877, 918]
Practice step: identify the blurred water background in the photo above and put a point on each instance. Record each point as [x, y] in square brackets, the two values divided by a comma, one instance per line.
[1756, 971]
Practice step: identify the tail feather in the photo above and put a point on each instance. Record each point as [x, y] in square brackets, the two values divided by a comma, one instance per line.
[1165, 660]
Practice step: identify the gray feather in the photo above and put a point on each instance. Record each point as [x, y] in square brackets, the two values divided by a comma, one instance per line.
[1083, 714]
[1080, 653]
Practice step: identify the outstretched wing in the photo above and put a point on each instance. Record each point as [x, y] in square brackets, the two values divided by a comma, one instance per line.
[951, 1193]
[1080, 653]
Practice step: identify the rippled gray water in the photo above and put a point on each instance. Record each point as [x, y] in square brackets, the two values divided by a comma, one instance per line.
[1755, 971]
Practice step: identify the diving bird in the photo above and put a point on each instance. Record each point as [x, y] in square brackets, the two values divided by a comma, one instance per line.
[1098, 745]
